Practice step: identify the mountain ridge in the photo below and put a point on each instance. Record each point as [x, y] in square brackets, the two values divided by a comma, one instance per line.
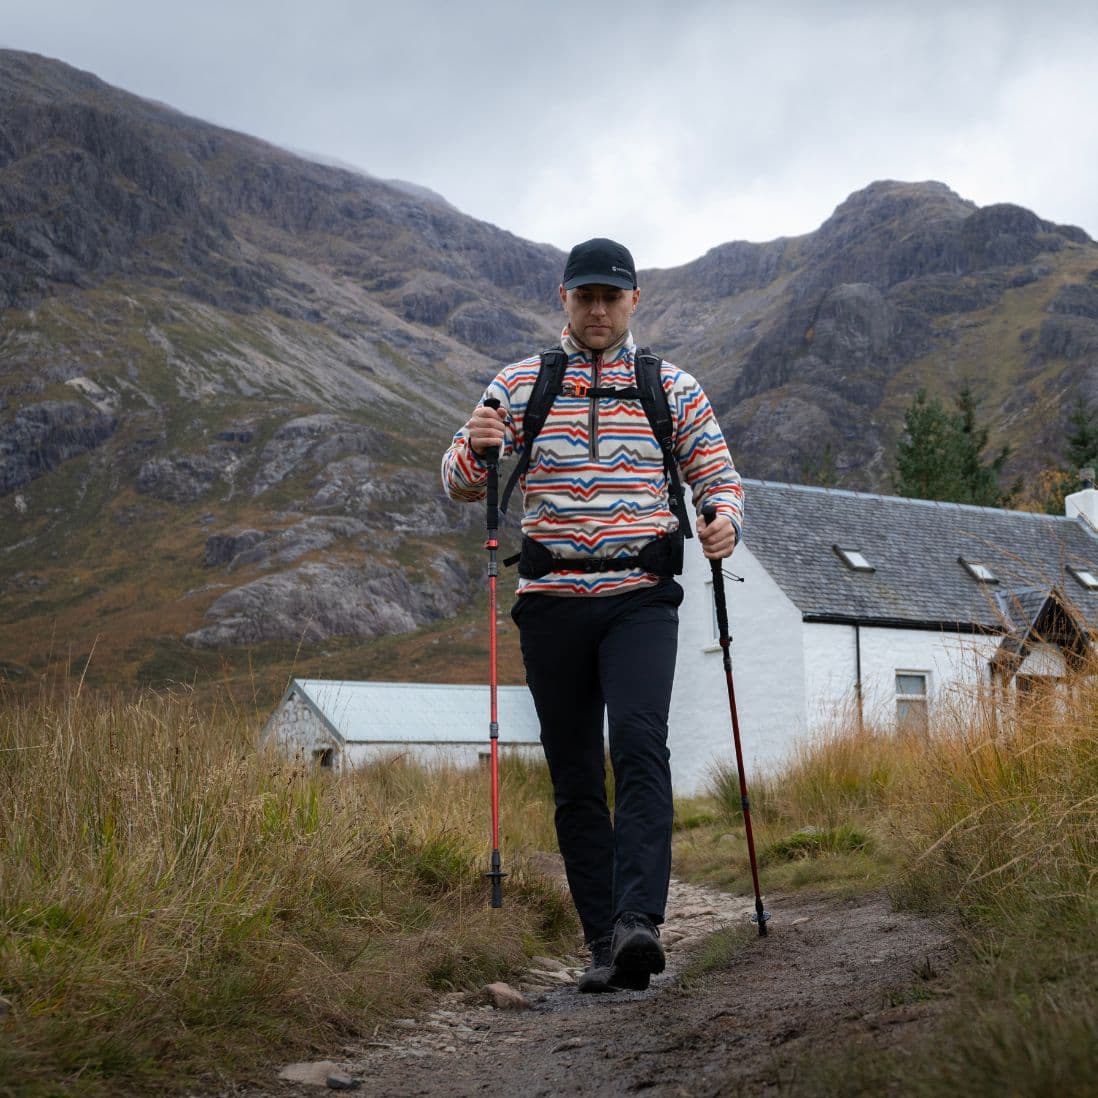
[227, 373]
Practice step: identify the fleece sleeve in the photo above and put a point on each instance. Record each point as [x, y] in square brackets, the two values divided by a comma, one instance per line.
[701, 450]
[464, 474]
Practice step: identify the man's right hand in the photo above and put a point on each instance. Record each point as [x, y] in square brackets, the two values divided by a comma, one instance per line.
[486, 429]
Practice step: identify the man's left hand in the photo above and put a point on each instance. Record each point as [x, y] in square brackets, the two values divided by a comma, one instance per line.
[718, 538]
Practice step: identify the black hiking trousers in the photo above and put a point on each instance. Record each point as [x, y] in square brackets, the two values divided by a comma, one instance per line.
[613, 656]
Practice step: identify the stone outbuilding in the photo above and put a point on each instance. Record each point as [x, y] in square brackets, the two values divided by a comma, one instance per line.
[340, 724]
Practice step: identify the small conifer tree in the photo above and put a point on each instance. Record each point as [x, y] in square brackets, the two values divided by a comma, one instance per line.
[939, 455]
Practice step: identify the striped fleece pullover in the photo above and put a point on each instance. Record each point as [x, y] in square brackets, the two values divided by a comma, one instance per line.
[596, 485]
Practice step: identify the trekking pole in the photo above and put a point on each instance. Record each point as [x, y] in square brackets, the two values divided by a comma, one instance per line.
[709, 514]
[495, 874]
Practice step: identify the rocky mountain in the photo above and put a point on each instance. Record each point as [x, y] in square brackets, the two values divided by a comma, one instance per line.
[227, 373]
[820, 341]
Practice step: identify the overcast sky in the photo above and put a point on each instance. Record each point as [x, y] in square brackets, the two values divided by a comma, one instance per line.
[673, 126]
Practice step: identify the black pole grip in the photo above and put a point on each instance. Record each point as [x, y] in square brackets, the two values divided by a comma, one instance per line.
[709, 513]
[492, 458]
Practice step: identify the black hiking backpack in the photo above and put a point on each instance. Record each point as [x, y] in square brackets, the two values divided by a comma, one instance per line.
[648, 390]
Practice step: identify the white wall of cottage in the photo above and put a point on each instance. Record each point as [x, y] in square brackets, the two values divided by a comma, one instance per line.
[955, 664]
[793, 678]
[768, 673]
[437, 754]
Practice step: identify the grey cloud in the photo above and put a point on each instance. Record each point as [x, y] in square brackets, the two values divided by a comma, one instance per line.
[675, 126]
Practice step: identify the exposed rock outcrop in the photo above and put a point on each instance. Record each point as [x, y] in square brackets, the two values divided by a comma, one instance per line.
[223, 549]
[178, 479]
[315, 601]
[44, 435]
[318, 439]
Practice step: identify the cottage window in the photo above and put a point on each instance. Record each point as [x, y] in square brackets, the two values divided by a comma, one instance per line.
[979, 572]
[1084, 577]
[324, 758]
[854, 559]
[911, 701]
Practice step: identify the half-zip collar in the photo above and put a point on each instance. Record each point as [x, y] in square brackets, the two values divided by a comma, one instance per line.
[596, 358]
[571, 347]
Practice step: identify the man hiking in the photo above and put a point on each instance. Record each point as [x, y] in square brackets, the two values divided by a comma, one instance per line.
[597, 612]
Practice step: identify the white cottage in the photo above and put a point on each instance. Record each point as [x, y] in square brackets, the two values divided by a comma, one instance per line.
[860, 603]
[850, 603]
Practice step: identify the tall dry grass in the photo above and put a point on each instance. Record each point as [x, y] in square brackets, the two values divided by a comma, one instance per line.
[821, 819]
[999, 827]
[176, 905]
[1002, 810]
[991, 818]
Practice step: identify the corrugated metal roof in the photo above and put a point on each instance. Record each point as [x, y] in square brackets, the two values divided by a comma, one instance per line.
[410, 712]
[914, 546]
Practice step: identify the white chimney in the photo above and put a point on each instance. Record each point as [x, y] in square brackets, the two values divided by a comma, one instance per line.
[1083, 503]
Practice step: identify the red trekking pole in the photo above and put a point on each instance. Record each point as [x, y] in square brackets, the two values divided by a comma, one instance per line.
[495, 874]
[760, 916]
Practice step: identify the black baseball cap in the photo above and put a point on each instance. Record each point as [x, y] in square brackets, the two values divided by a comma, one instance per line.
[601, 261]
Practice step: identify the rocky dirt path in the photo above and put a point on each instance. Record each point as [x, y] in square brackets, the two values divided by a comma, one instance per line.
[830, 971]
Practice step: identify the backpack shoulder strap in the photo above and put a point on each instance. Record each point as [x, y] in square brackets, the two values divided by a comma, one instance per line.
[653, 397]
[546, 389]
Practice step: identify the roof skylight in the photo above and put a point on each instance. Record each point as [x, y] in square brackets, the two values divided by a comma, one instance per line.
[980, 572]
[853, 559]
[1085, 577]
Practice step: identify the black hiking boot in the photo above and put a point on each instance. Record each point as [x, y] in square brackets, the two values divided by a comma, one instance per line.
[597, 978]
[636, 953]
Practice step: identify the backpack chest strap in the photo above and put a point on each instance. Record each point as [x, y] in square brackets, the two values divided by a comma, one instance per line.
[582, 389]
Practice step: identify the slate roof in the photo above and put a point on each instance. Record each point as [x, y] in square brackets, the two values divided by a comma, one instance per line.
[914, 546]
[406, 712]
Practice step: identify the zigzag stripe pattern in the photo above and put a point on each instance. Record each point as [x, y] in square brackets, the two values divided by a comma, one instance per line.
[601, 493]
[622, 457]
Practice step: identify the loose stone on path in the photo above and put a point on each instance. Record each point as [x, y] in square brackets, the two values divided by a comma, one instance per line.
[319, 1073]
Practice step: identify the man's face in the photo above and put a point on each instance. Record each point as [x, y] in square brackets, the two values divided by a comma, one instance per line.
[598, 316]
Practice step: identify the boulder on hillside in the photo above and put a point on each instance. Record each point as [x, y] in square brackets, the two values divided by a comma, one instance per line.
[44, 435]
[319, 439]
[315, 601]
[222, 549]
[180, 479]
